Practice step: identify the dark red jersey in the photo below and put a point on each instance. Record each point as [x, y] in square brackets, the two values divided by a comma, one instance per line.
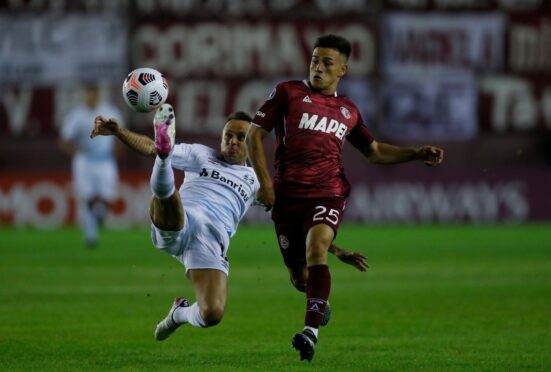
[310, 131]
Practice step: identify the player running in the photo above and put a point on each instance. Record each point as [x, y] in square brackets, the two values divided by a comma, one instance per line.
[308, 196]
[194, 224]
[94, 166]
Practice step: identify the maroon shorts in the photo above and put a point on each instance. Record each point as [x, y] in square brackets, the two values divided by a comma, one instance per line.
[294, 217]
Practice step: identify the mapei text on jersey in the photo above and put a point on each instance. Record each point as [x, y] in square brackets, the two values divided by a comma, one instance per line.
[322, 125]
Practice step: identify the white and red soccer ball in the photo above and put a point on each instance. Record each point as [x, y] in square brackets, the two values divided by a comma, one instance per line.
[145, 89]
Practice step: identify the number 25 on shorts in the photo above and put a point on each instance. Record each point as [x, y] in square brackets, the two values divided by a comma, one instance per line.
[330, 215]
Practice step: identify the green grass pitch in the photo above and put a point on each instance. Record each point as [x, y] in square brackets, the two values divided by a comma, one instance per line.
[436, 298]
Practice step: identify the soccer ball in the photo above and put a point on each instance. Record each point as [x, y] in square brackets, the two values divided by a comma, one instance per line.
[144, 89]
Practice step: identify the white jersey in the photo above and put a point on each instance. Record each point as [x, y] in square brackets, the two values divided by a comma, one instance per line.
[224, 190]
[78, 124]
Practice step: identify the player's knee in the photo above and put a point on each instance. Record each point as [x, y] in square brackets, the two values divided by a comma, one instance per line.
[212, 315]
[316, 254]
[299, 283]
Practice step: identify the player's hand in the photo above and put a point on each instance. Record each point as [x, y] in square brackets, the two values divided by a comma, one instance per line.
[356, 259]
[104, 127]
[431, 155]
[266, 197]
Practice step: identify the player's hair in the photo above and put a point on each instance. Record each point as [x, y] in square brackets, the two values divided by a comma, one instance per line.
[239, 115]
[334, 42]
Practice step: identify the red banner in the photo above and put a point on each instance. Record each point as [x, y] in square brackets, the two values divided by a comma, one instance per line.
[399, 194]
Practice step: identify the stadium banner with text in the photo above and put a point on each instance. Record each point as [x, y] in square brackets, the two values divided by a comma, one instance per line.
[511, 103]
[212, 68]
[201, 104]
[410, 195]
[415, 43]
[529, 44]
[53, 49]
[261, 49]
[218, 67]
[203, 9]
[430, 107]
[514, 6]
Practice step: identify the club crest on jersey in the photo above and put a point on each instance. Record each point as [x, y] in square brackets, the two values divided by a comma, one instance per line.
[283, 242]
[323, 124]
[345, 112]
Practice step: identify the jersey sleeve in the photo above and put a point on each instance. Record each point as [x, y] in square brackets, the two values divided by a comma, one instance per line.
[360, 136]
[273, 110]
[183, 157]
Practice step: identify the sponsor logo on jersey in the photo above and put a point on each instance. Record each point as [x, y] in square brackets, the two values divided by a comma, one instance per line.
[238, 187]
[261, 114]
[249, 179]
[306, 99]
[323, 124]
[345, 112]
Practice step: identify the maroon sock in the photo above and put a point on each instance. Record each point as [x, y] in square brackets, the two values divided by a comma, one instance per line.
[318, 286]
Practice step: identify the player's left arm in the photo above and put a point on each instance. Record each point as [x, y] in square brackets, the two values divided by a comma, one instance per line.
[384, 153]
[356, 259]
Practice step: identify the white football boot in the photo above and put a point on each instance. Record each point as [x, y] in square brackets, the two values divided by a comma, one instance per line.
[164, 124]
[168, 325]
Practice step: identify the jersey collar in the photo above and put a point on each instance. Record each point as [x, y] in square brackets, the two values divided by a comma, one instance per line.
[307, 83]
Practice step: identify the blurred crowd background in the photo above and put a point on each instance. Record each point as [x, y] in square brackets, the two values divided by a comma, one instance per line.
[471, 76]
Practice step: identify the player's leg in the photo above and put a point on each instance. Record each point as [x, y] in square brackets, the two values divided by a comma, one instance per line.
[321, 221]
[84, 190]
[318, 285]
[98, 207]
[88, 222]
[318, 282]
[107, 184]
[299, 277]
[211, 288]
[166, 209]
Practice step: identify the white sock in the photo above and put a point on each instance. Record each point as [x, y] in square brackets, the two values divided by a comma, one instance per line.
[314, 330]
[190, 314]
[88, 221]
[162, 178]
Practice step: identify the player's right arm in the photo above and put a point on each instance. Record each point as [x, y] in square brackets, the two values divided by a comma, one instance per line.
[257, 157]
[110, 127]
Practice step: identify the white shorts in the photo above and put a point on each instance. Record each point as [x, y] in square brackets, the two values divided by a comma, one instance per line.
[95, 178]
[201, 244]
